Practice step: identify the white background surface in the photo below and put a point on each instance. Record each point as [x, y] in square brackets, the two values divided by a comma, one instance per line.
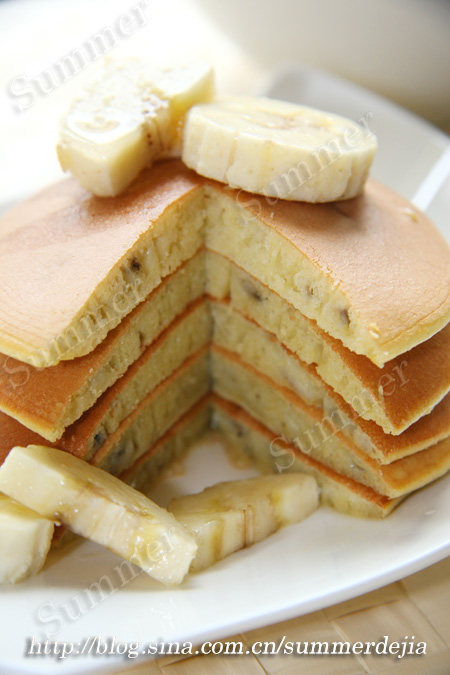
[397, 48]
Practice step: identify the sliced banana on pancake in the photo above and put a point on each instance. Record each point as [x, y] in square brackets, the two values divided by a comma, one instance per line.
[98, 506]
[127, 118]
[278, 149]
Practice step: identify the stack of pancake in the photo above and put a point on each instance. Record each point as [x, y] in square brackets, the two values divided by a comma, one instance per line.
[313, 337]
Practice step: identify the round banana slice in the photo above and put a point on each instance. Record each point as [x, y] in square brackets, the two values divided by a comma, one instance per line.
[278, 149]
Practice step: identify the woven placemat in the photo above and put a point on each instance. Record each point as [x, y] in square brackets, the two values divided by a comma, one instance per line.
[416, 609]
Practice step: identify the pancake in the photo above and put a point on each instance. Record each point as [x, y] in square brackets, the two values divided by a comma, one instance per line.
[47, 400]
[292, 420]
[157, 363]
[170, 448]
[250, 441]
[395, 396]
[372, 271]
[155, 415]
[265, 353]
[249, 438]
[73, 265]
[187, 338]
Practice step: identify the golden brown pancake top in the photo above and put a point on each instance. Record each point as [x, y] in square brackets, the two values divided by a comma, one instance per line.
[58, 247]
[384, 255]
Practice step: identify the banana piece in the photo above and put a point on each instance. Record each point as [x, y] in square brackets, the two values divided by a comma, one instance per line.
[229, 516]
[25, 539]
[100, 507]
[126, 119]
[278, 149]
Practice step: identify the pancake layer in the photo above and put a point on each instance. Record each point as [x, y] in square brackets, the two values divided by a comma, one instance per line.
[249, 438]
[403, 391]
[293, 421]
[86, 262]
[47, 400]
[186, 339]
[371, 271]
[250, 441]
[263, 351]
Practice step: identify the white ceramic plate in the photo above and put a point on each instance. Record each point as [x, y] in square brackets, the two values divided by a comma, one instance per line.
[326, 559]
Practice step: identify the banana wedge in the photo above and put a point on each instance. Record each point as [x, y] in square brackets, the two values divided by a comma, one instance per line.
[25, 539]
[229, 516]
[278, 149]
[126, 119]
[99, 507]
